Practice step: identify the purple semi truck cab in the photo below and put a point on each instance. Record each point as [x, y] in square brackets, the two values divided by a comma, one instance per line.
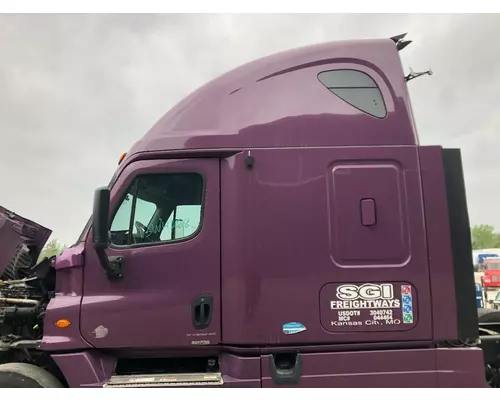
[281, 226]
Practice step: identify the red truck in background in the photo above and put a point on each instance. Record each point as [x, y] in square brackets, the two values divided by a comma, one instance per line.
[491, 278]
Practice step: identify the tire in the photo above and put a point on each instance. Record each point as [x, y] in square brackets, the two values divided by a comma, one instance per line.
[488, 315]
[21, 375]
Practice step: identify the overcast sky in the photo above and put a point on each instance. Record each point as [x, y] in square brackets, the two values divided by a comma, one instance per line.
[77, 91]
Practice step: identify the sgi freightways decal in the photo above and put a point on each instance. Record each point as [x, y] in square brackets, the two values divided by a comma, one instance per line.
[368, 307]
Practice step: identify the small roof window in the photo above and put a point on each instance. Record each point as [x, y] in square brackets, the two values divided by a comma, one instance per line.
[355, 88]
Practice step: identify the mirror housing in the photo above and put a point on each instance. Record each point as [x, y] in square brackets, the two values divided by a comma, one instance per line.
[100, 219]
[100, 234]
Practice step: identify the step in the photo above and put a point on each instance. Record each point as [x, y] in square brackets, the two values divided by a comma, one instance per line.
[165, 380]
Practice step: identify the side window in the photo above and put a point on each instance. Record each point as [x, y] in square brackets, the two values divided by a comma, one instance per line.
[355, 88]
[183, 222]
[159, 208]
[144, 212]
[121, 221]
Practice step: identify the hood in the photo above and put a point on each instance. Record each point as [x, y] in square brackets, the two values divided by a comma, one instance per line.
[16, 231]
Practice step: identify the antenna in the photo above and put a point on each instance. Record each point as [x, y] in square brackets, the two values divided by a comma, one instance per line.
[413, 75]
[400, 43]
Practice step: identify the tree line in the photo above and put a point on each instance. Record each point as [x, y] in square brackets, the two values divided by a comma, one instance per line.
[485, 237]
[52, 248]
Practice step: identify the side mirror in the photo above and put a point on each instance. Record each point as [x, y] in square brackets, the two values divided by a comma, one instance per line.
[100, 235]
[100, 219]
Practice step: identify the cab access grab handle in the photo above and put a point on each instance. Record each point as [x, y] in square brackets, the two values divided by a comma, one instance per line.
[100, 235]
[285, 368]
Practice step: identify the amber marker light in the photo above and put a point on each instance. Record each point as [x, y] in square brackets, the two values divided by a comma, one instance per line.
[63, 323]
[121, 158]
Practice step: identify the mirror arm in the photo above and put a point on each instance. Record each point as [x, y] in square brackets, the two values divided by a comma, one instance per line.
[112, 265]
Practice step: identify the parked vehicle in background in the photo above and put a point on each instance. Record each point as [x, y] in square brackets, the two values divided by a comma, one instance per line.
[491, 273]
[495, 303]
[479, 296]
[479, 255]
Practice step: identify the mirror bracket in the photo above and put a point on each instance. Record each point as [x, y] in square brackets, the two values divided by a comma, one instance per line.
[114, 269]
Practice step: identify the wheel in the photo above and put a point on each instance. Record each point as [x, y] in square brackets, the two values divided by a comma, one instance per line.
[21, 375]
[488, 315]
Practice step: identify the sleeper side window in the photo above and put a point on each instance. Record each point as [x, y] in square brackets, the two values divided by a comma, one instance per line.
[159, 208]
[355, 88]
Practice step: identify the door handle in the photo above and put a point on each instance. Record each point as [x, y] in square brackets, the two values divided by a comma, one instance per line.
[201, 310]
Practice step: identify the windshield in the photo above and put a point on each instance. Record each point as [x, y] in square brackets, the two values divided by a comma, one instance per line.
[492, 266]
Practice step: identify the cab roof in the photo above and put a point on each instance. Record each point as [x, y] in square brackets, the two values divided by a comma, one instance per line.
[279, 101]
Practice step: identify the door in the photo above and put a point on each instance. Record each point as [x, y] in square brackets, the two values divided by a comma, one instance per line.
[165, 227]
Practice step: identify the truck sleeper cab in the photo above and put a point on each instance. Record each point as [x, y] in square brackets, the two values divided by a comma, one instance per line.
[281, 226]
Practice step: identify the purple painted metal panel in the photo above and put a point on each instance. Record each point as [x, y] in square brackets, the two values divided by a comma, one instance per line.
[71, 258]
[460, 368]
[65, 304]
[439, 243]
[370, 369]
[16, 230]
[279, 240]
[350, 179]
[151, 306]
[10, 240]
[290, 107]
[93, 368]
[328, 348]
[240, 371]
[86, 369]
[387, 369]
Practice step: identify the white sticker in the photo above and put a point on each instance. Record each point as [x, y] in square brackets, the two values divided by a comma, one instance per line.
[366, 296]
[100, 332]
[200, 342]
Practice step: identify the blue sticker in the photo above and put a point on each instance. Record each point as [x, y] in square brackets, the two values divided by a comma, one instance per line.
[291, 328]
[407, 300]
[407, 308]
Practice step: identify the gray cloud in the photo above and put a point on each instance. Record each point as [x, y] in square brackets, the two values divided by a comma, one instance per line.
[78, 90]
